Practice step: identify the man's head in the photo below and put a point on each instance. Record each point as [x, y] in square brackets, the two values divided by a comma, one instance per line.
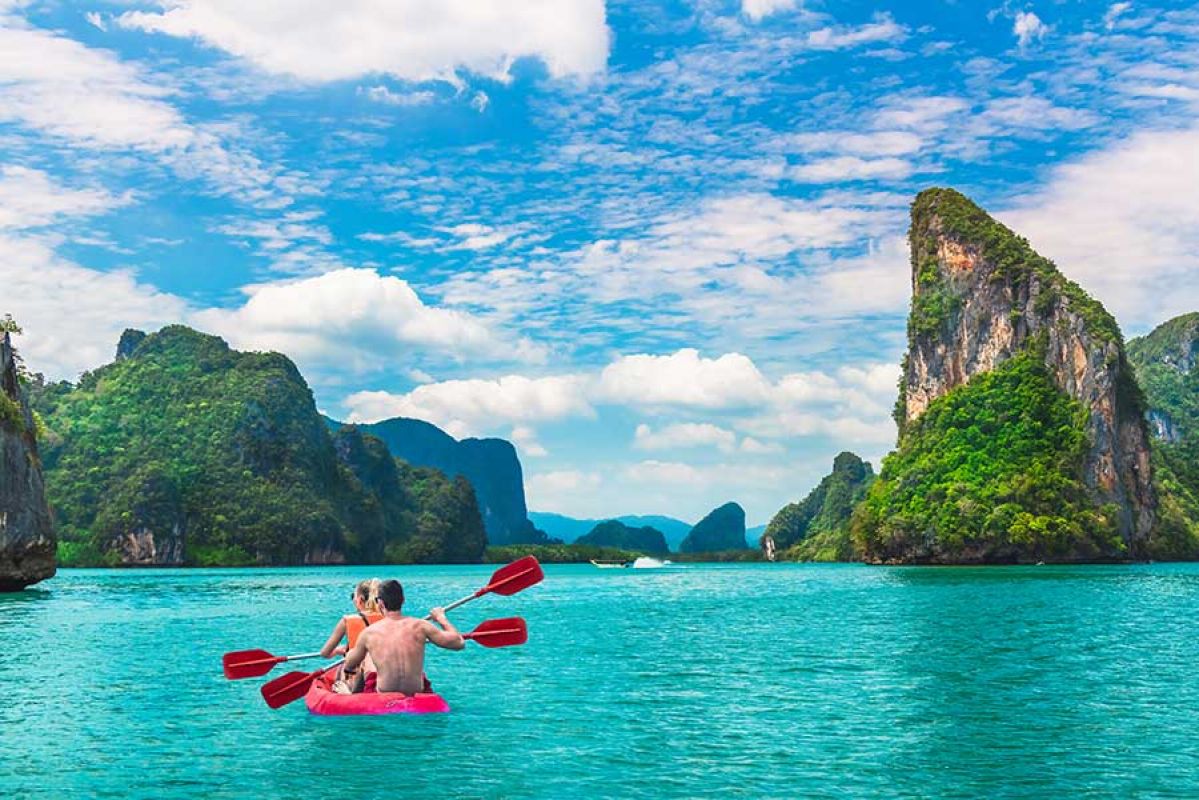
[391, 596]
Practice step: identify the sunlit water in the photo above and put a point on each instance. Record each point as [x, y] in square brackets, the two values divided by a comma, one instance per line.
[693, 681]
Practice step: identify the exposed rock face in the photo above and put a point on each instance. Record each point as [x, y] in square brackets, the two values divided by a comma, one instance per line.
[491, 466]
[27, 543]
[980, 295]
[130, 339]
[722, 529]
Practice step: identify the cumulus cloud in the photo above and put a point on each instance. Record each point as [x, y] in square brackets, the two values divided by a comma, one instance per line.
[353, 319]
[475, 406]
[557, 489]
[1028, 28]
[684, 378]
[408, 39]
[525, 439]
[873, 144]
[70, 313]
[683, 435]
[1124, 222]
[30, 198]
[757, 9]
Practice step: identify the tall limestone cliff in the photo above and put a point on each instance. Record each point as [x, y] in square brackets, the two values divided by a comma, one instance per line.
[722, 529]
[26, 532]
[1022, 435]
[491, 466]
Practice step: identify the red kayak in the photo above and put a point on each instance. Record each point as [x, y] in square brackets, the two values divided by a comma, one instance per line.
[321, 699]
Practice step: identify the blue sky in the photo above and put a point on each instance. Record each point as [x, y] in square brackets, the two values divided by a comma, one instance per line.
[658, 245]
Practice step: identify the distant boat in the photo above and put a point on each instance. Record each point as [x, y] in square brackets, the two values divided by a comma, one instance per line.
[603, 564]
[645, 562]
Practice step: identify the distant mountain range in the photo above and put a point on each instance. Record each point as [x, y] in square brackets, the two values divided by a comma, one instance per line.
[568, 529]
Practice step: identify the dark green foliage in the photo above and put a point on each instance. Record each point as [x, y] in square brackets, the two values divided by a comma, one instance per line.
[990, 472]
[722, 529]
[557, 553]
[721, 556]
[817, 528]
[1167, 366]
[613, 533]
[188, 439]
[955, 216]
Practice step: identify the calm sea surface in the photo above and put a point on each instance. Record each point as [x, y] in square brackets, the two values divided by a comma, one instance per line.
[698, 681]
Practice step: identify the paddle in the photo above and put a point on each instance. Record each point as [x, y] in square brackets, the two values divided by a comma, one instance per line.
[506, 632]
[254, 663]
[507, 580]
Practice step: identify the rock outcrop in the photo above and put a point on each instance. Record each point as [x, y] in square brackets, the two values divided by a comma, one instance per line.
[27, 545]
[491, 466]
[817, 528]
[722, 529]
[613, 533]
[981, 297]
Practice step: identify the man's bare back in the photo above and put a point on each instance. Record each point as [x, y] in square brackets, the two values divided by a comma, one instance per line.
[396, 645]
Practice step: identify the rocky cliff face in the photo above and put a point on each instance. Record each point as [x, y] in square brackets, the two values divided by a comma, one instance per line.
[491, 466]
[27, 542]
[722, 529]
[980, 295]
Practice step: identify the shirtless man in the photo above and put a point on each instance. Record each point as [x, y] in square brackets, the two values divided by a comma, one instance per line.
[397, 644]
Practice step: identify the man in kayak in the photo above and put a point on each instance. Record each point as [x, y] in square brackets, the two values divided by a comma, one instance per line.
[396, 645]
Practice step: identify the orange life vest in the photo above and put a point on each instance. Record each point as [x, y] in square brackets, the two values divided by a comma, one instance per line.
[356, 624]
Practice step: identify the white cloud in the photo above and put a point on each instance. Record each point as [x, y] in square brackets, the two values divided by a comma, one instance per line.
[684, 378]
[525, 439]
[1124, 223]
[381, 94]
[757, 9]
[408, 39]
[1028, 27]
[89, 98]
[850, 168]
[883, 29]
[684, 434]
[475, 406]
[751, 445]
[353, 319]
[874, 144]
[550, 491]
[73, 316]
[1114, 12]
[29, 198]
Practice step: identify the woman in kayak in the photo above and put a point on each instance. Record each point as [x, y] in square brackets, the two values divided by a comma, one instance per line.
[351, 626]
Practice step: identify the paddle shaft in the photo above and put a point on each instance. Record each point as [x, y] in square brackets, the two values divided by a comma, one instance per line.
[491, 587]
[280, 659]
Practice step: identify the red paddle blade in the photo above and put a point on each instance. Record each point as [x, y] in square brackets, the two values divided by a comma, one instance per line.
[289, 687]
[500, 632]
[520, 574]
[248, 663]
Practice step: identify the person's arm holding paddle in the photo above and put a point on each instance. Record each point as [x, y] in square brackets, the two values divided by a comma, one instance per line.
[332, 646]
[447, 636]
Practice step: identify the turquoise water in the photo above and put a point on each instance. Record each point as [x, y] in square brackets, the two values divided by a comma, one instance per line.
[700, 681]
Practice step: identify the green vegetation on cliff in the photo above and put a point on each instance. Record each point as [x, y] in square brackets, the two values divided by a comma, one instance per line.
[817, 528]
[722, 529]
[185, 451]
[959, 218]
[613, 533]
[989, 472]
[1167, 366]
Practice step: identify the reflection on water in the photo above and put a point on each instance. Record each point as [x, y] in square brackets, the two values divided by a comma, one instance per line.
[749, 680]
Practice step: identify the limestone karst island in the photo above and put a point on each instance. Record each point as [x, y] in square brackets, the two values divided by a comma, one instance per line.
[599, 399]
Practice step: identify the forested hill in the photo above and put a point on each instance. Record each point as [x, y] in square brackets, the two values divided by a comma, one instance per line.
[184, 451]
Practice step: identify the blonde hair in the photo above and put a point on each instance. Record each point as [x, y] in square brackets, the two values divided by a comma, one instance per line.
[368, 592]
